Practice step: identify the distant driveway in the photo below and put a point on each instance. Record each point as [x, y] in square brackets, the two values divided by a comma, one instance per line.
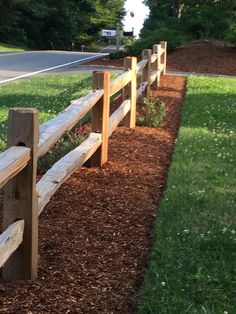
[111, 49]
[23, 64]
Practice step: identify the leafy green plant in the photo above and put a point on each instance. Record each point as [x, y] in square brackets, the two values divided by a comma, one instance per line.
[231, 33]
[50, 94]
[66, 143]
[63, 146]
[154, 36]
[152, 113]
[118, 54]
[175, 21]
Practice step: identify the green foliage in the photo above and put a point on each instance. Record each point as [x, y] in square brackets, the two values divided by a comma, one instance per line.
[50, 94]
[56, 24]
[149, 38]
[176, 21]
[66, 144]
[206, 20]
[231, 33]
[153, 112]
[5, 47]
[118, 54]
[192, 264]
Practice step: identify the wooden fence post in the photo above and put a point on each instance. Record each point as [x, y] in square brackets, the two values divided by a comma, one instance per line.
[156, 64]
[164, 55]
[100, 117]
[129, 92]
[146, 77]
[20, 197]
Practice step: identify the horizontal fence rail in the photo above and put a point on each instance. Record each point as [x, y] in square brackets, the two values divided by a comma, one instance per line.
[141, 65]
[12, 161]
[51, 131]
[24, 199]
[120, 82]
[10, 240]
[64, 168]
[118, 116]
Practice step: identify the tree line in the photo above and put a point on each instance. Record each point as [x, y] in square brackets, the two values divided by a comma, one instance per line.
[182, 20]
[56, 24]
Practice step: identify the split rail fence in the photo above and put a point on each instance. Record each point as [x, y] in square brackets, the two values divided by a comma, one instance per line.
[24, 198]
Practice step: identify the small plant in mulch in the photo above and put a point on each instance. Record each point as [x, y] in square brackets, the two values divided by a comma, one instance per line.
[152, 113]
[118, 55]
[69, 141]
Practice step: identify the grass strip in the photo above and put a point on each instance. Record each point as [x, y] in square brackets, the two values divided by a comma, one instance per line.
[192, 266]
[7, 47]
[50, 94]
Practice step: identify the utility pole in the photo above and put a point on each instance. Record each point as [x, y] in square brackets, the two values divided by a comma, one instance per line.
[117, 36]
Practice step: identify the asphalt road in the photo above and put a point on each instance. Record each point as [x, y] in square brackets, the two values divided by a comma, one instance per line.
[23, 64]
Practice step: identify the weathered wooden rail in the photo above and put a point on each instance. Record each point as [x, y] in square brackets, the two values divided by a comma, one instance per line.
[24, 198]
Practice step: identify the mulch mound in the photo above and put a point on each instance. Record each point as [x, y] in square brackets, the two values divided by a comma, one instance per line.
[198, 57]
[96, 232]
[204, 57]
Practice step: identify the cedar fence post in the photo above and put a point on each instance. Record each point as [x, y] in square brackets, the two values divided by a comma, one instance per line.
[156, 64]
[20, 197]
[146, 77]
[164, 55]
[130, 92]
[100, 117]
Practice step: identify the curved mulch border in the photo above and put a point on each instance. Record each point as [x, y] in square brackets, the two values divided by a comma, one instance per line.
[96, 232]
[198, 57]
[204, 57]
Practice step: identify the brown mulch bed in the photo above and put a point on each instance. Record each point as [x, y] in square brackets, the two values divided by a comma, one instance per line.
[96, 233]
[202, 57]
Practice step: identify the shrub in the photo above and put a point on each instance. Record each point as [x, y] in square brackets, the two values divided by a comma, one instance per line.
[231, 33]
[151, 37]
[66, 143]
[152, 114]
[118, 54]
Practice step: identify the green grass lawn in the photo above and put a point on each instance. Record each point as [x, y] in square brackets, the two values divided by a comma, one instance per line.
[6, 47]
[192, 266]
[50, 94]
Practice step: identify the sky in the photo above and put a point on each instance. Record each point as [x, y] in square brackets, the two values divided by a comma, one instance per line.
[140, 12]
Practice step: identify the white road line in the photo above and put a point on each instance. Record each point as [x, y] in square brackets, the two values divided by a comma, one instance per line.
[48, 69]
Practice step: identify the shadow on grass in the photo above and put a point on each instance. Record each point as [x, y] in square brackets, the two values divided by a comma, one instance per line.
[49, 94]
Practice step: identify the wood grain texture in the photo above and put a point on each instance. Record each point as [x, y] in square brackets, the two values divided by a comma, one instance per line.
[141, 90]
[12, 161]
[154, 76]
[147, 55]
[154, 57]
[141, 65]
[164, 55]
[64, 168]
[120, 82]
[129, 92]
[20, 199]
[100, 117]
[10, 240]
[156, 66]
[51, 131]
[118, 116]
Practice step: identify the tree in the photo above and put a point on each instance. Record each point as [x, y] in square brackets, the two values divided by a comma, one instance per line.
[9, 21]
[192, 18]
[56, 24]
